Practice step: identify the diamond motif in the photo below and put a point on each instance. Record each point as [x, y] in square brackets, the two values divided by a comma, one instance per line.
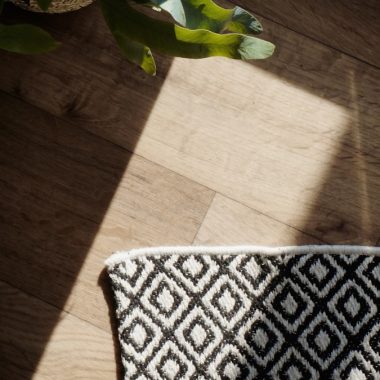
[260, 338]
[369, 272]
[129, 367]
[127, 275]
[194, 271]
[221, 317]
[199, 334]
[165, 299]
[227, 301]
[139, 334]
[352, 306]
[289, 304]
[319, 274]
[254, 271]
[193, 266]
[122, 301]
[323, 340]
[293, 366]
[171, 364]
[355, 367]
[372, 343]
[230, 364]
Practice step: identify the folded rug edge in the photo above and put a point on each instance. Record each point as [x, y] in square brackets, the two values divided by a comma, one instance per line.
[119, 256]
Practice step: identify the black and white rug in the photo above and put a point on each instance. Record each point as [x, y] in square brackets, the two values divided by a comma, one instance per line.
[290, 313]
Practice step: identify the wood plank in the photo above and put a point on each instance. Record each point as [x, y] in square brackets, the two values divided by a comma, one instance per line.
[86, 79]
[229, 222]
[280, 149]
[69, 198]
[349, 26]
[279, 136]
[294, 138]
[76, 349]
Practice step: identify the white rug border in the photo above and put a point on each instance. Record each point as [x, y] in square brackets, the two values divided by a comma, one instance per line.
[120, 256]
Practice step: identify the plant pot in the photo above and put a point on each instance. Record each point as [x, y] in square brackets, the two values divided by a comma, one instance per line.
[57, 6]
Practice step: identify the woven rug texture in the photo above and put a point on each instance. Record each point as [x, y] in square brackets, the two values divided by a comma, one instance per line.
[207, 313]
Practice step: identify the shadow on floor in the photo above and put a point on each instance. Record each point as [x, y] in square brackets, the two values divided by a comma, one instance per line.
[57, 176]
[346, 206]
[108, 296]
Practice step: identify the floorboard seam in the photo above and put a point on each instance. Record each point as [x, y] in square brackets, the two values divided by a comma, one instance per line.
[166, 168]
[309, 37]
[55, 307]
[204, 217]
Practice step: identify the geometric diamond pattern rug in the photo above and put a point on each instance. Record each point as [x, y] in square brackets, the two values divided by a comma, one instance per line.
[308, 312]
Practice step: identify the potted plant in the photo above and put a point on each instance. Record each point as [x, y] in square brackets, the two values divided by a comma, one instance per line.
[197, 29]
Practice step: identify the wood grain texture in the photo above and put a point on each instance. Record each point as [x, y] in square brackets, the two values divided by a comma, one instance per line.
[291, 145]
[279, 136]
[295, 138]
[230, 223]
[69, 199]
[76, 349]
[98, 89]
[350, 26]
[62, 186]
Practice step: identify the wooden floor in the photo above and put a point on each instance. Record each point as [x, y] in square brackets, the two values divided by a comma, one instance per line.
[95, 156]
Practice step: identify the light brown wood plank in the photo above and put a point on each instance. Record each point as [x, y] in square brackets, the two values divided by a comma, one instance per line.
[349, 26]
[68, 199]
[302, 150]
[295, 138]
[279, 136]
[75, 349]
[61, 187]
[229, 222]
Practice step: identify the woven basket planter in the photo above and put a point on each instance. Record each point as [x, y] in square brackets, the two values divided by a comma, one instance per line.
[57, 6]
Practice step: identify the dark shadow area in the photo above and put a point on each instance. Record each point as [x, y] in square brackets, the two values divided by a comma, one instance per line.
[104, 283]
[346, 208]
[349, 26]
[65, 117]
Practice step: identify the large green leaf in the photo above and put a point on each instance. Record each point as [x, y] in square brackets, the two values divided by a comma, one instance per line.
[205, 14]
[175, 40]
[44, 4]
[25, 38]
[136, 52]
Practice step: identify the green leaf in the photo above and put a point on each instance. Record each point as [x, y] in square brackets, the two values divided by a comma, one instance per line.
[137, 53]
[44, 4]
[26, 39]
[174, 40]
[205, 14]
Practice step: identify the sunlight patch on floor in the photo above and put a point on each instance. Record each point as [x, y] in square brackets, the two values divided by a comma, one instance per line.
[245, 132]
